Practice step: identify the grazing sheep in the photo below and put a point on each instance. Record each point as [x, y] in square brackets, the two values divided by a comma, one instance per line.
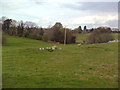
[43, 48]
[78, 45]
[40, 49]
[50, 49]
[54, 47]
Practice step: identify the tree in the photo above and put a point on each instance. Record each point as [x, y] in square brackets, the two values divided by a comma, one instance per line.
[26, 33]
[2, 19]
[45, 37]
[20, 29]
[85, 28]
[100, 35]
[56, 34]
[58, 25]
[79, 29]
[6, 25]
[41, 31]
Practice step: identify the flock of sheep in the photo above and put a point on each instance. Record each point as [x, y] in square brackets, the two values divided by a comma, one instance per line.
[53, 48]
[50, 49]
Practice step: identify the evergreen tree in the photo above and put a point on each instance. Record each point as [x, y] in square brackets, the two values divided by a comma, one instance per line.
[85, 28]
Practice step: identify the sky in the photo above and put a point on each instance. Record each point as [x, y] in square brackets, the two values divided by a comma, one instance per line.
[71, 13]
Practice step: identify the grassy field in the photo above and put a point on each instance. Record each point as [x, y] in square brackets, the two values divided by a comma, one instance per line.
[87, 66]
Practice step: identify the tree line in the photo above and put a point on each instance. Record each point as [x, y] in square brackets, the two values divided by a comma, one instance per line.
[55, 33]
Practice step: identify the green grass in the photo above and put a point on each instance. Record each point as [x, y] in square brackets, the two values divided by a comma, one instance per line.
[87, 66]
[115, 35]
[81, 37]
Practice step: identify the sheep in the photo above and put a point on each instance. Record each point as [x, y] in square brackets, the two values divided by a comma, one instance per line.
[43, 48]
[50, 48]
[78, 45]
[40, 49]
[47, 47]
[54, 47]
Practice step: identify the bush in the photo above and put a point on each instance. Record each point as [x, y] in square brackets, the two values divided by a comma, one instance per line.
[70, 37]
[45, 37]
[26, 33]
[35, 36]
[57, 35]
[49, 34]
[73, 39]
[14, 31]
[100, 35]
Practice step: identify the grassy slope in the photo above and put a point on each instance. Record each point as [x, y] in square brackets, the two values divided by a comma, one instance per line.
[74, 67]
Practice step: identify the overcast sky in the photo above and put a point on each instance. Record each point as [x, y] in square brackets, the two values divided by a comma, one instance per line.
[71, 13]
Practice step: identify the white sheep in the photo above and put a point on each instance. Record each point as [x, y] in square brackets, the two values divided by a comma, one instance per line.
[78, 45]
[40, 49]
[54, 47]
[43, 48]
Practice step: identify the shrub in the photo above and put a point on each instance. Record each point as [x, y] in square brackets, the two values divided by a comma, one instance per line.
[79, 29]
[20, 29]
[26, 33]
[73, 39]
[100, 35]
[41, 31]
[70, 37]
[14, 31]
[35, 36]
[49, 34]
[58, 35]
[45, 37]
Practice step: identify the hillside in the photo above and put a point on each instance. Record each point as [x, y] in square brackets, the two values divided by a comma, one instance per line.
[87, 66]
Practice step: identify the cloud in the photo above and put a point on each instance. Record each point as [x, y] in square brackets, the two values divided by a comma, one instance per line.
[70, 13]
[94, 19]
[112, 23]
[106, 7]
